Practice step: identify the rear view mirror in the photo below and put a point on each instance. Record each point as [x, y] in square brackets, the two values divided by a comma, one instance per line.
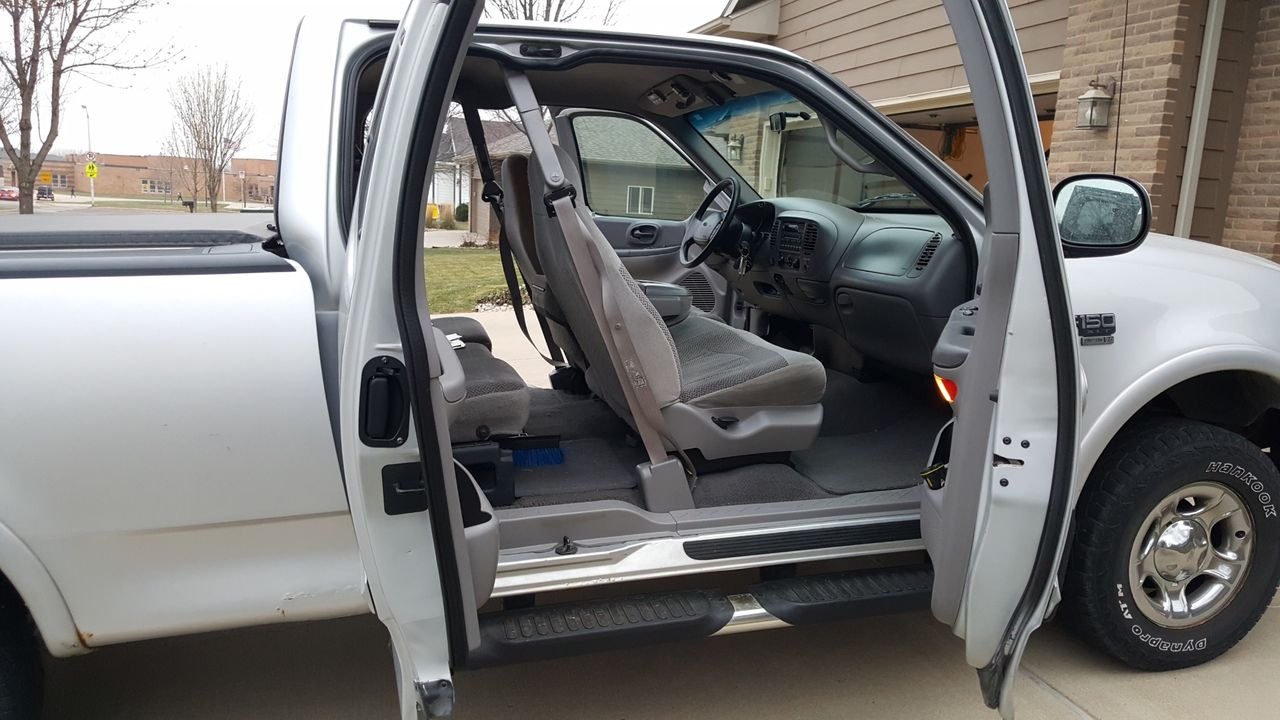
[1101, 214]
[778, 120]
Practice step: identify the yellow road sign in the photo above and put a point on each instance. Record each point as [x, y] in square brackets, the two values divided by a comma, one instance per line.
[45, 178]
[91, 170]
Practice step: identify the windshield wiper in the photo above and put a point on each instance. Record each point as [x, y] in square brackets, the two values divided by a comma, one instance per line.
[885, 198]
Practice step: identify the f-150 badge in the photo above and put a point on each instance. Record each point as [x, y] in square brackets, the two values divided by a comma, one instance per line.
[1096, 328]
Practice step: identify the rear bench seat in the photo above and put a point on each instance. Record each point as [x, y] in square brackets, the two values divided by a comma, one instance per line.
[497, 400]
[469, 330]
[495, 403]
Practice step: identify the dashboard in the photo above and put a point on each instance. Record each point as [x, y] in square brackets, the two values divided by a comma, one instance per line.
[886, 282]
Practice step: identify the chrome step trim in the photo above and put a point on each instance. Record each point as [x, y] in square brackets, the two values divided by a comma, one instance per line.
[534, 570]
[749, 616]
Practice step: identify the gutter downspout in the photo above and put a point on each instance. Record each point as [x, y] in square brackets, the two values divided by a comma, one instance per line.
[1199, 118]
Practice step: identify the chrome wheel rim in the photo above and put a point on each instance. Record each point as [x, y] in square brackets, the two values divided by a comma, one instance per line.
[1191, 555]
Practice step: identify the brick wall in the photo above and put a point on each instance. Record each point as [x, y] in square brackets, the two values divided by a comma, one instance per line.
[1253, 208]
[1147, 100]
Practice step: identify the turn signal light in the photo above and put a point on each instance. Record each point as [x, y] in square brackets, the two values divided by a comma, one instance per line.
[946, 388]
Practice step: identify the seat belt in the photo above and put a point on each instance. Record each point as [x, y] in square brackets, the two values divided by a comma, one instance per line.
[586, 259]
[492, 194]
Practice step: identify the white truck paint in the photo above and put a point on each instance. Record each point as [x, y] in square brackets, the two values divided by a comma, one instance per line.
[168, 462]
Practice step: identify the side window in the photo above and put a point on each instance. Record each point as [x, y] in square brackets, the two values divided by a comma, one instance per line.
[630, 171]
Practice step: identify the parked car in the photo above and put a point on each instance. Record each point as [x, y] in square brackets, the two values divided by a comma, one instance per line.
[785, 337]
[44, 192]
[8, 192]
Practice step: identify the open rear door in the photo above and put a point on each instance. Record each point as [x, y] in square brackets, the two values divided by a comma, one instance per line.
[398, 470]
[995, 524]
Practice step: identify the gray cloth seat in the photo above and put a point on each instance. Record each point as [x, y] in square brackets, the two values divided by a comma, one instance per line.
[497, 399]
[722, 391]
[469, 330]
[724, 367]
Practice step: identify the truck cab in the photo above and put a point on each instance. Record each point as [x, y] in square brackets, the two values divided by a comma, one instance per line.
[798, 370]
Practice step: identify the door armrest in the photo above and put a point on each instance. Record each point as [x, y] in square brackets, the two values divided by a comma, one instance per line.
[673, 302]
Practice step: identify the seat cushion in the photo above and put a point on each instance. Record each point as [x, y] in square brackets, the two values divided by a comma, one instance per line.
[469, 329]
[722, 366]
[497, 400]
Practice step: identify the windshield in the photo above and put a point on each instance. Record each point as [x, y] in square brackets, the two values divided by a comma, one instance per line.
[778, 145]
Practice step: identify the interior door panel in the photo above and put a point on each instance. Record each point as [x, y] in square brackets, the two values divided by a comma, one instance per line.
[641, 189]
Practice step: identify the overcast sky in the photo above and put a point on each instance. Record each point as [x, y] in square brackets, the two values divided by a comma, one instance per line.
[130, 111]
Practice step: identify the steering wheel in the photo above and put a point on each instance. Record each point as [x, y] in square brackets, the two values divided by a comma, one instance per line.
[709, 228]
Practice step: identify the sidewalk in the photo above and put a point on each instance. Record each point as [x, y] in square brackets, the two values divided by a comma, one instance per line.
[510, 344]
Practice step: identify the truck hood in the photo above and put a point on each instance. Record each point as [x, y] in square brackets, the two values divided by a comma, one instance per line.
[1159, 249]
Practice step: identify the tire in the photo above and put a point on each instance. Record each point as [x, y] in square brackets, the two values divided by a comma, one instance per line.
[20, 672]
[1145, 613]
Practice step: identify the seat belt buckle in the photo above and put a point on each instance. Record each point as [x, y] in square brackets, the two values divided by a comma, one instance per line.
[568, 191]
[491, 192]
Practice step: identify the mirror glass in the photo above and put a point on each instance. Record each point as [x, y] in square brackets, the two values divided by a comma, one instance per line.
[1100, 211]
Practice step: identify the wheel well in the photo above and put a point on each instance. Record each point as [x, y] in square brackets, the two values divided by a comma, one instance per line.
[1242, 401]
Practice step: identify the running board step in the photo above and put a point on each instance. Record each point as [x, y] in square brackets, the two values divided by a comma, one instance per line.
[572, 628]
[810, 599]
[582, 627]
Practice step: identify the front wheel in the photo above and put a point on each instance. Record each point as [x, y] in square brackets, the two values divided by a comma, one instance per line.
[1177, 548]
[20, 671]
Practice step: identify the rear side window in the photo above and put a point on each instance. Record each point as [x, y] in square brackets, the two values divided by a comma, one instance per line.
[628, 170]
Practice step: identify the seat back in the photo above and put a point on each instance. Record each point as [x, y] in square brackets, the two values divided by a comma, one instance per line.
[519, 227]
[649, 334]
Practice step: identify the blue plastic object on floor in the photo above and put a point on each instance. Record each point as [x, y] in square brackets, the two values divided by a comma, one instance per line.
[537, 457]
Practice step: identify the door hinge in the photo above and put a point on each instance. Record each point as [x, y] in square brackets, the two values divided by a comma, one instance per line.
[435, 699]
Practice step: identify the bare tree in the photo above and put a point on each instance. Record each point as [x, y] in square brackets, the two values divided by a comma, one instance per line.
[210, 122]
[52, 40]
[602, 12]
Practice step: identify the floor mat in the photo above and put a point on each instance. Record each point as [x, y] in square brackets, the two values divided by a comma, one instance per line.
[875, 435]
[552, 412]
[590, 464]
[876, 460]
[754, 484]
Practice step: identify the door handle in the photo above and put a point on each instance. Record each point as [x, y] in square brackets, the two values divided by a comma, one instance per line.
[644, 234]
[384, 403]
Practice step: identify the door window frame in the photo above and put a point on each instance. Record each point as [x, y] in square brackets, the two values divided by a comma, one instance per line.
[569, 141]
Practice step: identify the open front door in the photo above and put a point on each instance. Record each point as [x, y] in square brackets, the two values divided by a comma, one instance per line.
[996, 523]
[398, 470]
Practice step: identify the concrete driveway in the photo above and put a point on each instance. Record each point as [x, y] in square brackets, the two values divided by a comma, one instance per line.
[906, 666]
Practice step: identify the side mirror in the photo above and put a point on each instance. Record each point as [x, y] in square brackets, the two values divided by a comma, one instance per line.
[778, 122]
[1101, 214]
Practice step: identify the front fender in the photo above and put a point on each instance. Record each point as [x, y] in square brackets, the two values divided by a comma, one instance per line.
[41, 595]
[1123, 406]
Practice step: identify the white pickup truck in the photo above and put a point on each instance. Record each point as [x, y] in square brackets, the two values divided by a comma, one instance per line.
[801, 372]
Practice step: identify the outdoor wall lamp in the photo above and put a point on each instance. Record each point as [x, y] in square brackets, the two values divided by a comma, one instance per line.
[735, 147]
[1093, 108]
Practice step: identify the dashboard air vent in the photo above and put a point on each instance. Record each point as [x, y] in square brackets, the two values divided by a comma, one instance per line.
[810, 238]
[927, 252]
[771, 235]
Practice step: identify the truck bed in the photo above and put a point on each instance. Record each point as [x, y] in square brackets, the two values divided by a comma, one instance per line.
[167, 464]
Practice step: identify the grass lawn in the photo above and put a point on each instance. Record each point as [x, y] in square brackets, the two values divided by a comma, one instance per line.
[458, 278]
[152, 205]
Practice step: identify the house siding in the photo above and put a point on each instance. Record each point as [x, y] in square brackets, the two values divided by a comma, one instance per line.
[901, 47]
